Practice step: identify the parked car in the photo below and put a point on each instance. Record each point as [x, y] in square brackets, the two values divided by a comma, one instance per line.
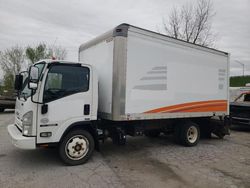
[240, 109]
[7, 101]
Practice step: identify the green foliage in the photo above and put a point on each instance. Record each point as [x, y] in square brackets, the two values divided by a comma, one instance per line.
[238, 81]
[42, 51]
[37, 53]
[1, 90]
[8, 83]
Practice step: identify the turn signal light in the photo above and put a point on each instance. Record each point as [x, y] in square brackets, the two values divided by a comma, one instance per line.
[45, 134]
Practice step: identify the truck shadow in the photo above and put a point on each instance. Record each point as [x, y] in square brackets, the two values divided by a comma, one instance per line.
[44, 157]
[143, 143]
[38, 157]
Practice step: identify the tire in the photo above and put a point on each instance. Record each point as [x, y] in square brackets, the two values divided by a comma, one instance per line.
[152, 133]
[76, 147]
[189, 134]
[1, 109]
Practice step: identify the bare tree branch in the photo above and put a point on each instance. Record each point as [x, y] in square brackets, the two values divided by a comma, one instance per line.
[59, 52]
[192, 23]
[174, 24]
[11, 61]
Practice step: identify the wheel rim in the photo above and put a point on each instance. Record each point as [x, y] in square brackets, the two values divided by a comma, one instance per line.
[192, 134]
[77, 147]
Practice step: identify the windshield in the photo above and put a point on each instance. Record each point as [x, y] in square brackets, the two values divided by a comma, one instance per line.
[26, 92]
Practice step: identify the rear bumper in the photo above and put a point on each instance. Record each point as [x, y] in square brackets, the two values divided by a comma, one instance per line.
[19, 140]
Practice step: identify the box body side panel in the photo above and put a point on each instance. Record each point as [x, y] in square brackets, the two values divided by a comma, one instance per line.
[167, 80]
[144, 75]
[100, 56]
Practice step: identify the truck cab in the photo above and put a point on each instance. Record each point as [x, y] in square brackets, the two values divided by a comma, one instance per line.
[55, 99]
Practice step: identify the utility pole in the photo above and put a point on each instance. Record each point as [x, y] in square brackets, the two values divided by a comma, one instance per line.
[243, 66]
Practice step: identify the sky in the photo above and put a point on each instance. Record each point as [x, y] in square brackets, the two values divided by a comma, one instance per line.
[70, 23]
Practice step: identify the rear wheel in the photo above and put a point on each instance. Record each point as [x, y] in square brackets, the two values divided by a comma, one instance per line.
[189, 134]
[1, 109]
[77, 147]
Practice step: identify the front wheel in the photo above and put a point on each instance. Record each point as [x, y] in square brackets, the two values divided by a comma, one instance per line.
[76, 147]
[189, 134]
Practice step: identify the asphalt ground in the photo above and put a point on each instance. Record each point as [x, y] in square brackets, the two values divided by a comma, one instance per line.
[142, 162]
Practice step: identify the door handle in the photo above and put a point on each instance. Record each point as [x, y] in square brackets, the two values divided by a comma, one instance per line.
[44, 109]
[86, 110]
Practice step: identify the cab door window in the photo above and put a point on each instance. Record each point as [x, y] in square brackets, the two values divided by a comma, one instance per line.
[64, 80]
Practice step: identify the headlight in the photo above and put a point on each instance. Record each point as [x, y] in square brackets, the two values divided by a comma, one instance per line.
[27, 123]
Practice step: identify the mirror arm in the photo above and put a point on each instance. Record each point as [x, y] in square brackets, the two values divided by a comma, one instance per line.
[18, 94]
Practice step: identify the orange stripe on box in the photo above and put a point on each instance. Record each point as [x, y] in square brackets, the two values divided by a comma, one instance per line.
[205, 108]
[201, 106]
[198, 106]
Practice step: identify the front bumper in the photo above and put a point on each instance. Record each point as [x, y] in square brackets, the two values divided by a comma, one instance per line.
[19, 140]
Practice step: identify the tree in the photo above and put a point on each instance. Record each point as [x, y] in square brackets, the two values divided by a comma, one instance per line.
[11, 61]
[57, 52]
[192, 23]
[41, 51]
[8, 82]
[37, 53]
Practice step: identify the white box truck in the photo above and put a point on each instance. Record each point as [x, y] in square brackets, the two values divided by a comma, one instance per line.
[131, 82]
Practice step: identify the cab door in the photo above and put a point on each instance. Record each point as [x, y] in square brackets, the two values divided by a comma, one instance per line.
[67, 98]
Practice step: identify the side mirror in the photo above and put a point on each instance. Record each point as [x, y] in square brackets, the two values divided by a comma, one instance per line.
[33, 74]
[18, 82]
[33, 78]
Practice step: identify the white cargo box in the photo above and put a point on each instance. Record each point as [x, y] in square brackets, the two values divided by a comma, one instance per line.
[146, 75]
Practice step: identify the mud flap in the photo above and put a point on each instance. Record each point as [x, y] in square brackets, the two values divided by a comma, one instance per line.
[222, 127]
[118, 136]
